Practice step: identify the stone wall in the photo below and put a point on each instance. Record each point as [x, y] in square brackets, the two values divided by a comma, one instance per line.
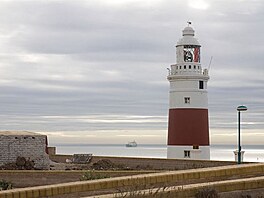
[29, 145]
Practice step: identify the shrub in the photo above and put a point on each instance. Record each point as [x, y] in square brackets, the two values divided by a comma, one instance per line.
[92, 175]
[4, 185]
[106, 164]
[21, 163]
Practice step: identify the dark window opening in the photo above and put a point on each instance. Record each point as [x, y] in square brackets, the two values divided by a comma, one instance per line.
[195, 146]
[184, 66]
[187, 154]
[187, 100]
[201, 84]
[190, 67]
[194, 66]
[180, 67]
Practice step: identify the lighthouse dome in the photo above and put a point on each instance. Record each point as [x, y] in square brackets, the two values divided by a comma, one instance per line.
[188, 37]
[188, 31]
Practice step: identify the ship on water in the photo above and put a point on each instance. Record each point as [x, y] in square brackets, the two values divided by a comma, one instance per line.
[131, 144]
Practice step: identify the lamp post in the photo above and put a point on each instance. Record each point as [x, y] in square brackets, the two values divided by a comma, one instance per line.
[239, 109]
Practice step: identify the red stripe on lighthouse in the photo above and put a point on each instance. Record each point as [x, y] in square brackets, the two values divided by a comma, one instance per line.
[188, 127]
[196, 54]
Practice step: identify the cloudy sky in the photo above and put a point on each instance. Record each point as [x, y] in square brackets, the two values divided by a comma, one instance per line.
[89, 71]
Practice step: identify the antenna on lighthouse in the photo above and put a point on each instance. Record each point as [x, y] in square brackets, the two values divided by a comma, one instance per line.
[169, 71]
[209, 66]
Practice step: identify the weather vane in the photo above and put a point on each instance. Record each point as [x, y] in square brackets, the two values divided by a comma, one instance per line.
[189, 23]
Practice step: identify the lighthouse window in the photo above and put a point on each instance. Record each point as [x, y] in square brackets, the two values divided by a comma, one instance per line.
[180, 67]
[187, 154]
[194, 67]
[187, 100]
[184, 66]
[191, 53]
[190, 67]
[201, 84]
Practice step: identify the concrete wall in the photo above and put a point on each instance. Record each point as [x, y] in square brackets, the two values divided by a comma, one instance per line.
[31, 147]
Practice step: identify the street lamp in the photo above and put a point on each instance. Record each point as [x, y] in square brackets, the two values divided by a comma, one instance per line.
[239, 109]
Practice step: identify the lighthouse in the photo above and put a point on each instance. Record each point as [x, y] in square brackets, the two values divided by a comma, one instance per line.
[188, 127]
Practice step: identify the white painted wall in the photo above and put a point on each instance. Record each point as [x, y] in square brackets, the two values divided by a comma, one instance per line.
[198, 99]
[177, 152]
[179, 54]
[187, 84]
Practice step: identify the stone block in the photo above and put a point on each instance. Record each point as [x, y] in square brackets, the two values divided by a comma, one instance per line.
[61, 190]
[48, 191]
[67, 189]
[73, 189]
[35, 193]
[22, 194]
[15, 194]
[55, 190]
[42, 192]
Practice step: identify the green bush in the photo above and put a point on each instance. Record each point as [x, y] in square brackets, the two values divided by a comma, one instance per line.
[92, 175]
[4, 185]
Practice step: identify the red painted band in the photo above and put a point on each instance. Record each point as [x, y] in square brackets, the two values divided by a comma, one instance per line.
[188, 127]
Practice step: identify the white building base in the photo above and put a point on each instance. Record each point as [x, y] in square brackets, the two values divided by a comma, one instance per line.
[188, 152]
[236, 155]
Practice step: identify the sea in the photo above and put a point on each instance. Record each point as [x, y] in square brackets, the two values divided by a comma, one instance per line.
[253, 153]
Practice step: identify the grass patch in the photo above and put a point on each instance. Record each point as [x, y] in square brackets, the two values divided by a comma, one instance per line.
[92, 175]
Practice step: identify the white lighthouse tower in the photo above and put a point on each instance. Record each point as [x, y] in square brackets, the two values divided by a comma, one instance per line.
[188, 130]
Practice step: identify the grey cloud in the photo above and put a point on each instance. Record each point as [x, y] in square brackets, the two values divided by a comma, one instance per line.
[90, 58]
[74, 28]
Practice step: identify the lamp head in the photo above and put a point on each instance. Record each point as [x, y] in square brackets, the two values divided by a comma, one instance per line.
[241, 108]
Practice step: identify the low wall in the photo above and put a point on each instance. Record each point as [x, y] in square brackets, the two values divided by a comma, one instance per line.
[221, 186]
[151, 163]
[147, 179]
[190, 190]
